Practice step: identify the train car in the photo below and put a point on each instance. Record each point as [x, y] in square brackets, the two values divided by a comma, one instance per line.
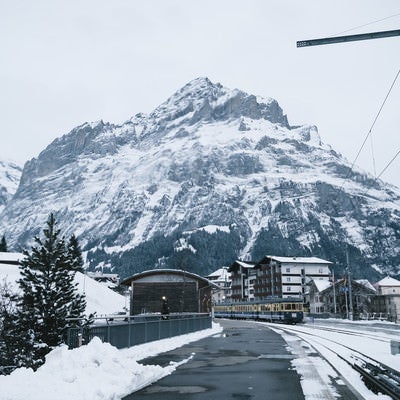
[288, 310]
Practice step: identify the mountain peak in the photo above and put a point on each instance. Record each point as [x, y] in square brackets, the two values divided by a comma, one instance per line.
[201, 99]
[207, 157]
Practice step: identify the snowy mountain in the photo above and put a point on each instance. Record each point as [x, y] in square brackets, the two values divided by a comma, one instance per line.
[10, 175]
[211, 175]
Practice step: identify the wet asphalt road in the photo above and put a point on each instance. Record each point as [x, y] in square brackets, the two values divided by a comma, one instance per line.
[246, 361]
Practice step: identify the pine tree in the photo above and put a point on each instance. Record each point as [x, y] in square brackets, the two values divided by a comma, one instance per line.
[75, 254]
[8, 343]
[3, 244]
[75, 262]
[49, 296]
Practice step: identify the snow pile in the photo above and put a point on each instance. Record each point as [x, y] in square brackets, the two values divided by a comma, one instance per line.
[97, 371]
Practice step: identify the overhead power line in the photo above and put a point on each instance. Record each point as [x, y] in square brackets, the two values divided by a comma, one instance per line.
[369, 23]
[388, 164]
[349, 38]
[372, 126]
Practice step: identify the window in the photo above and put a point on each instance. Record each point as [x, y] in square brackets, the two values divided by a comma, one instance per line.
[289, 289]
[288, 279]
[287, 269]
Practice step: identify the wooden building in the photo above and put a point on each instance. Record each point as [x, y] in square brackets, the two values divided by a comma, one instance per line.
[344, 299]
[184, 291]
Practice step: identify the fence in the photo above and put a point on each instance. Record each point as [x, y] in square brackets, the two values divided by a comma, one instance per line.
[134, 330]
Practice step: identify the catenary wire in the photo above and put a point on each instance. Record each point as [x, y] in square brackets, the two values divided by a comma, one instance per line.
[388, 164]
[384, 169]
[362, 26]
[370, 130]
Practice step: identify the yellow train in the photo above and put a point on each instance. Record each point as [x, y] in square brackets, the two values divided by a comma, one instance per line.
[289, 310]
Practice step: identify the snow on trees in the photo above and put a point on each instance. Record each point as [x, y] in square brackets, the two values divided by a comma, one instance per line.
[49, 296]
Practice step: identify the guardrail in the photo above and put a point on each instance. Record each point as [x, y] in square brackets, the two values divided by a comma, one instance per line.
[126, 331]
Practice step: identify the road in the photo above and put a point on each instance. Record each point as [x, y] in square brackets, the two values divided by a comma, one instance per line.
[246, 361]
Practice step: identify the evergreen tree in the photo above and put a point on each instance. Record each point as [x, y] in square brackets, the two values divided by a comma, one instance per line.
[75, 254]
[49, 296]
[8, 343]
[75, 263]
[3, 244]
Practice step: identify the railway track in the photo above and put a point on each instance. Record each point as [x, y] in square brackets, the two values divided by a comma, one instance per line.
[354, 333]
[380, 378]
[376, 375]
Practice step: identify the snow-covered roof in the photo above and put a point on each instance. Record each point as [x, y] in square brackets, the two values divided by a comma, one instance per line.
[13, 257]
[300, 260]
[244, 265]
[166, 271]
[321, 284]
[388, 281]
[221, 273]
[366, 283]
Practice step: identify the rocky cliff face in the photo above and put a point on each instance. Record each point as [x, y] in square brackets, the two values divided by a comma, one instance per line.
[10, 174]
[211, 175]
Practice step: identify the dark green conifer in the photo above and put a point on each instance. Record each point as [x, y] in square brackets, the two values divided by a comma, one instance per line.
[3, 244]
[49, 294]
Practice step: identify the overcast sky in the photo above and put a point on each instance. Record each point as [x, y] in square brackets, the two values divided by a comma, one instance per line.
[67, 62]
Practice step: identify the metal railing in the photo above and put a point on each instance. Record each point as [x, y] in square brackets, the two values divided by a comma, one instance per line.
[126, 331]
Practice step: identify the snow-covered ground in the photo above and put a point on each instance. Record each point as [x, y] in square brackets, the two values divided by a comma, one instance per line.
[317, 346]
[99, 298]
[97, 371]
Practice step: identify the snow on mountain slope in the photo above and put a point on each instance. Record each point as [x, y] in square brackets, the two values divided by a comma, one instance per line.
[206, 156]
[10, 174]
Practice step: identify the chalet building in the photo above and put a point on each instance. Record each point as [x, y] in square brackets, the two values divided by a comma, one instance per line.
[184, 291]
[222, 278]
[288, 276]
[344, 299]
[315, 301]
[386, 304]
[243, 278]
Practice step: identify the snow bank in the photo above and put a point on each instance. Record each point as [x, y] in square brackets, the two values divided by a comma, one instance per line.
[97, 371]
[99, 298]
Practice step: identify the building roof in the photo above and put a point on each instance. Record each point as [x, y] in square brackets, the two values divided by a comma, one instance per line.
[366, 283]
[165, 271]
[321, 284]
[356, 283]
[244, 264]
[220, 274]
[388, 281]
[10, 257]
[300, 260]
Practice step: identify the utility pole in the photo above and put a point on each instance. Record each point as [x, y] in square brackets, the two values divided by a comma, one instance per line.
[334, 292]
[348, 38]
[349, 283]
